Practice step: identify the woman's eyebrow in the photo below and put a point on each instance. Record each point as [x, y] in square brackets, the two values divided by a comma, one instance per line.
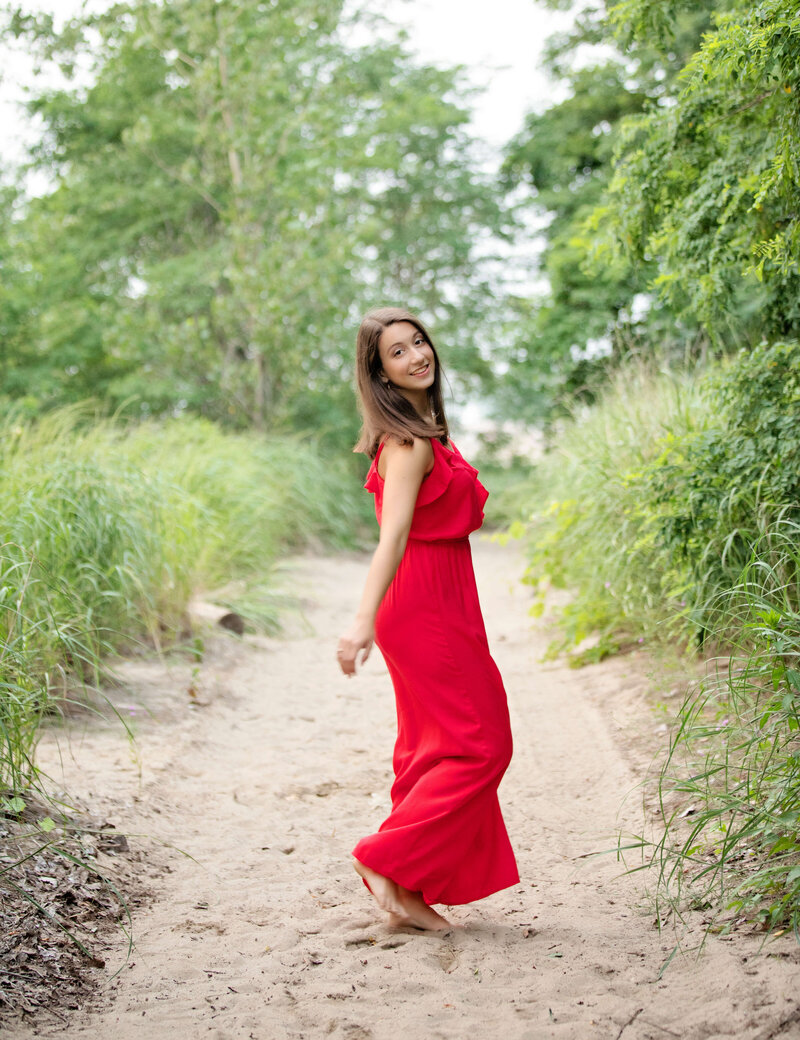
[402, 343]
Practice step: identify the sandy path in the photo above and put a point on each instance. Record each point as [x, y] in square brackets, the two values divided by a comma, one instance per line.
[269, 781]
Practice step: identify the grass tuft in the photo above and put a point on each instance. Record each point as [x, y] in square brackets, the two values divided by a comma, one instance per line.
[671, 512]
[729, 788]
[108, 529]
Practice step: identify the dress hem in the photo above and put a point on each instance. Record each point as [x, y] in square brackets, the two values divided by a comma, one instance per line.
[440, 899]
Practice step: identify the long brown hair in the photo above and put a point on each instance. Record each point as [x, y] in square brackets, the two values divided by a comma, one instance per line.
[384, 410]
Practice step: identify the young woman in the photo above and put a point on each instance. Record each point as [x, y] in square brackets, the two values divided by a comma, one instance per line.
[444, 840]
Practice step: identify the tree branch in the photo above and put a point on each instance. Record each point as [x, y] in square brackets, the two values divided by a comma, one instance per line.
[178, 176]
[743, 108]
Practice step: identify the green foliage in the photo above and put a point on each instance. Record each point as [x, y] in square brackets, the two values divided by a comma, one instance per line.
[712, 490]
[592, 529]
[707, 187]
[236, 184]
[657, 494]
[669, 180]
[672, 510]
[563, 159]
[729, 788]
[107, 530]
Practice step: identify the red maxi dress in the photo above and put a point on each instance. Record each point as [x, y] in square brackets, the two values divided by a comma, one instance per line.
[445, 836]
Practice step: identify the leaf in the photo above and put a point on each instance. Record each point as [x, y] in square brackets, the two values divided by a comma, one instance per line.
[517, 529]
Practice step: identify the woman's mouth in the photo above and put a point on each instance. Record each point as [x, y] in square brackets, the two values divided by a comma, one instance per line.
[422, 371]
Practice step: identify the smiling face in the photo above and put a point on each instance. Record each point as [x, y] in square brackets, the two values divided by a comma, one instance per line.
[398, 380]
[407, 361]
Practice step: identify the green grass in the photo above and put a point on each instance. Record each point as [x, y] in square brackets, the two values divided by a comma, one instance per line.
[670, 511]
[107, 529]
[729, 787]
[588, 527]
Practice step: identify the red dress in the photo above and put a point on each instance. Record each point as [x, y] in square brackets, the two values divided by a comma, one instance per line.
[445, 836]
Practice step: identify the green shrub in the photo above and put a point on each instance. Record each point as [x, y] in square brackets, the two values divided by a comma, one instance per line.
[650, 502]
[107, 530]
[589, 527]
[729, 789]
[712, 490]
[672, 509]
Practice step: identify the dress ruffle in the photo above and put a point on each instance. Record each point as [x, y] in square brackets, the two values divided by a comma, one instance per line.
[439, 478]
[433, 485]
[452, 485]
[481, 491]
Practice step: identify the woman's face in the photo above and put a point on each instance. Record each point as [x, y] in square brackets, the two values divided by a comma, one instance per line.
[406, 358]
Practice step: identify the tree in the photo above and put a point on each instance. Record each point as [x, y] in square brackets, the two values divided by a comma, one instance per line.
[709, 186]
[237, 184]
[563, 160]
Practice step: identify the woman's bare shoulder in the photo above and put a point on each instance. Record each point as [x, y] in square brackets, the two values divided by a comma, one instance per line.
[411, 455]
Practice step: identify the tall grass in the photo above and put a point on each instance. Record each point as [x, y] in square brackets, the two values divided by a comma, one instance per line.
[729, 788]
[671, 510]
[587, 526]
[107, 529]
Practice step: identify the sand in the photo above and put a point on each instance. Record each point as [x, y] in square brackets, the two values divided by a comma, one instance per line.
[251, 780]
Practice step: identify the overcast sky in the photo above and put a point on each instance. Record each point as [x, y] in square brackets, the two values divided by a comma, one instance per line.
[499, 41]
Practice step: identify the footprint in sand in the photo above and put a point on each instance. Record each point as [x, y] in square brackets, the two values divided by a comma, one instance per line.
[392, 944]
[447, 957]
[353, 1031]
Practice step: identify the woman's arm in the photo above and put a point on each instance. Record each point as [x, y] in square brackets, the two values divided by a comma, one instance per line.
[406, 465]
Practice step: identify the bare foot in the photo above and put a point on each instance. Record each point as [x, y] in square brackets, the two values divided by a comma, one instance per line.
[417, 912]
[406, 909]
[400, 921]
[385, 891]
[404, 921]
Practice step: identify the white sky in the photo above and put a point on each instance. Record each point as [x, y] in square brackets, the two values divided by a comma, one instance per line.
[499, 41]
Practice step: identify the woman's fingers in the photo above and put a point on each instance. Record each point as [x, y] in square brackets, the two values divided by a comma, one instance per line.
[346, 656]
[348, 652]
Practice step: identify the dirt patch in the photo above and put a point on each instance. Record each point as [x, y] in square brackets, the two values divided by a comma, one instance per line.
[68, 891]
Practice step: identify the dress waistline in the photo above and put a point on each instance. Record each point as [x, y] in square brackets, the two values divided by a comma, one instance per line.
[440, 541]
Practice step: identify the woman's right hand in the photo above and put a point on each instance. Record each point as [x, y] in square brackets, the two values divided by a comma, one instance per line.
[406, 466]
[359, 636]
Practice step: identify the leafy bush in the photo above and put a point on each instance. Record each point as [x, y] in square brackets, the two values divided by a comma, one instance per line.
[711, 491]
[107, 530]
[650, 503]
[591, 530]
[673, 509]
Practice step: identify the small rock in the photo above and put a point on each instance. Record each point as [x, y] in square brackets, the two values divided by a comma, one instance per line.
[233, 622]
